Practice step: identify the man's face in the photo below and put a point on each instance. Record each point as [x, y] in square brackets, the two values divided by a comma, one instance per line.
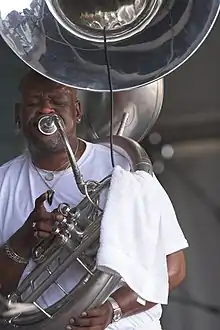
[40, 97]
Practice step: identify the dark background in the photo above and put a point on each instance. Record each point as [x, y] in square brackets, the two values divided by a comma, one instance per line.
[189, 125]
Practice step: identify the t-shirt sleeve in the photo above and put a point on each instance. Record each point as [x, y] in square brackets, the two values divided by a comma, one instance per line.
[173, 236]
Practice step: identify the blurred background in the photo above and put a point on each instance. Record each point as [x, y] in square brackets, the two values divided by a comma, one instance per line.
[184, 146]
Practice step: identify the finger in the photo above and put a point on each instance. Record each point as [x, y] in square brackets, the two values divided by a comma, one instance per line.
[47, 217]
[88, 322]
[39, 203]
[48, 223]
[94, 312]
[51, 217]
[72, 327]
[55, 212]
[44, 226]
[41, 234]
[56, 216]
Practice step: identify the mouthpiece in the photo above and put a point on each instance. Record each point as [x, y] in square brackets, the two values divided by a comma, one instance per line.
[46, 125]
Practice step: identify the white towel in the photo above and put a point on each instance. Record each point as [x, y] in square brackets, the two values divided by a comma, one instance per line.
[131, 240]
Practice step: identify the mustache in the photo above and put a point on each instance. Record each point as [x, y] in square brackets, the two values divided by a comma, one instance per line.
[34, 120]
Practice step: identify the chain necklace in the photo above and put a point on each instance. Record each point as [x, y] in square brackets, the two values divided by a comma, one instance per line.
[50, 176]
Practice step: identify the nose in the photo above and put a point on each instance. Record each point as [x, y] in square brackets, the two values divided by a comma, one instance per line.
[46, 111]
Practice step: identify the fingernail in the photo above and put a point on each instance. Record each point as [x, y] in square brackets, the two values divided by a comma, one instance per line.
[50, 195]
[72, 321]
[83, 314]
[59, 217]
[68, 327]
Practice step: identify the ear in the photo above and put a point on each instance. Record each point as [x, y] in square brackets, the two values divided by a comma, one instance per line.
[17, 115]
[78, 111]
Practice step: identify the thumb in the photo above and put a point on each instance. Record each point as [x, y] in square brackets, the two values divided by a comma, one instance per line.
[39, 203]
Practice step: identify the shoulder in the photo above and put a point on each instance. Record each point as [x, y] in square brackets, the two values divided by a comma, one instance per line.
[12, 166]
[102, 154]
[173, 236]
[161, 190]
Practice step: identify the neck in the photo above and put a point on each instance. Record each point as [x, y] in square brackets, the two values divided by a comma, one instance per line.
[56, 160]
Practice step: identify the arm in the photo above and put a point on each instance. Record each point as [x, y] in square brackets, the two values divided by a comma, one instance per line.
[22, 243]
[12, 271]
[127, 299]
[176, 269]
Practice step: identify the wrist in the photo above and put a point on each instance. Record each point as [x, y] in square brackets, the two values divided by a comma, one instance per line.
[13, 255]
[116, 309]
[22, 242]
[129, 302]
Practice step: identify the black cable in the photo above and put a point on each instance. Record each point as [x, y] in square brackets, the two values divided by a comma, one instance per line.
[111, 97]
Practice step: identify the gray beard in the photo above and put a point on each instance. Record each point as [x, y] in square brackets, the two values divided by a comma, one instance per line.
[38, 146]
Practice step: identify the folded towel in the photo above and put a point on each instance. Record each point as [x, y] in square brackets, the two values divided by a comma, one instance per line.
[131, 242]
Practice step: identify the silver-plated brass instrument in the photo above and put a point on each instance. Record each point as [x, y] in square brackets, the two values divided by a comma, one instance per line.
[64, 41]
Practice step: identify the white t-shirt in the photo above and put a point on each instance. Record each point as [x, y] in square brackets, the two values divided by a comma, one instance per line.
[21, 184]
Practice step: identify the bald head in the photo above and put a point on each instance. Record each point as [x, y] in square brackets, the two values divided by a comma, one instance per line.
[33, 78]
[41, 96]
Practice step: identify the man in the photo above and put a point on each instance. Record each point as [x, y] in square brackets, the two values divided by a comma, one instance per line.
[23, 183]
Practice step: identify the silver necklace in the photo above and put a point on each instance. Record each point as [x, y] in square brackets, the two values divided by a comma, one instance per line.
[50, 176]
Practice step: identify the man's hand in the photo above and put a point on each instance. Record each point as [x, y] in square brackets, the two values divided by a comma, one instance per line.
[40, 222]
[94, 319]
[43, 221]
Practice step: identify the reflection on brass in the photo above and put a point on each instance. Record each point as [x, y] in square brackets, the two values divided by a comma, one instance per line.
[124, 17]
